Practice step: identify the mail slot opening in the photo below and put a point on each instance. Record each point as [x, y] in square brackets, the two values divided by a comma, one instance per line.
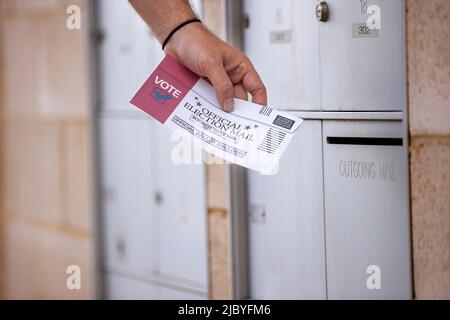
[366, 141]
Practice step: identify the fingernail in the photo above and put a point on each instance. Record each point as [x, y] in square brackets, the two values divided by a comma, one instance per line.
[228, 105]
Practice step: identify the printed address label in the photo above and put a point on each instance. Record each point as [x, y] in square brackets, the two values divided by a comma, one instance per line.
[253, 136]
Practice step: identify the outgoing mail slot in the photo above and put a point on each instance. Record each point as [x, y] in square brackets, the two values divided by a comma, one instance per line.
[366, 210]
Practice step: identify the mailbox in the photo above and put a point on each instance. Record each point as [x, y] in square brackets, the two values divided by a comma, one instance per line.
[334, 221]
[282, 36]
[151, 223]
[153, 226]
[287, 258]
[128, 50]
[363, 69]
[126, 189]
[335, 65]
[366, 210]
[122, 287]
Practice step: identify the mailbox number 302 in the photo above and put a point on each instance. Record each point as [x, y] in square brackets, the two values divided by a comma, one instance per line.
[364, 30]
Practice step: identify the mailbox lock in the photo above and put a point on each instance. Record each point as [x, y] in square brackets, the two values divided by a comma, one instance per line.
[158, 197]
[322, 11]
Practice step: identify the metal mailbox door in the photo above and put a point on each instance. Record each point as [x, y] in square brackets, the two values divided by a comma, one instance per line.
[153, 222]
[122, 287]
[362, 69]
[154, 226]
[128, 51]
[127, 186]
[286, 228]
[366, 210]
[282, 41]
[180, 202]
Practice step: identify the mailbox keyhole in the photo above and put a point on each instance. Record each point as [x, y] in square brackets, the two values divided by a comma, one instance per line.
[322, 11]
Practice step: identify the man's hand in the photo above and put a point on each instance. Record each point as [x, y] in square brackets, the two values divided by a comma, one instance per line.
[228, 69]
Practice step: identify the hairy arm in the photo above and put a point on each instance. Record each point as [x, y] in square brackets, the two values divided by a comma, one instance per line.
[228, 69]
[162, 16]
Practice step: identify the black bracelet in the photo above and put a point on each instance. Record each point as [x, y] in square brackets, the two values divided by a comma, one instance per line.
[178, 28]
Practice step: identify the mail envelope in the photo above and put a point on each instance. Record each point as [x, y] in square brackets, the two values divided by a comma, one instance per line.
[253, 136]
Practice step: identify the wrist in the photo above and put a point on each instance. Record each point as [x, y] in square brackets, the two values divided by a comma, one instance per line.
[186, 33]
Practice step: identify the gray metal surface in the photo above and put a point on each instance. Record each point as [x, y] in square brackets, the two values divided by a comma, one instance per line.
[127, 192]
[282, 40]
[348, 85]
[127, 53]
[123, 286]
[312, 65]
[362, 73]
[350, 115]
[181, 211]
[238, 177]
[286, 227]
[153, 211]
[366, 212]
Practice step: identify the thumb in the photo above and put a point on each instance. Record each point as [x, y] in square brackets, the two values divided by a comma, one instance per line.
[223, 85]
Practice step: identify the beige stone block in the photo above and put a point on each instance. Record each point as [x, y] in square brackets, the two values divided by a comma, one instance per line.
[76, 172]
[214, 15]
[220, 270]
[14, 8]
[53, 80]
[32, 171]
[428, 66]
[218, 185]
[60, 69]
[430, 192]
[36, 261]
[20, 258]
[83, 4]
[17, 67]
[29, 6]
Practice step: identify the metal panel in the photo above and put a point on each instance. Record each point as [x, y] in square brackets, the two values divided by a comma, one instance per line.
[128, 52]
[362, 73]
[350, 115]
[366, 210]
[154, 210]
[126, 287]
[286, 227]
[181, 208]
[127, 192]
[282, 41]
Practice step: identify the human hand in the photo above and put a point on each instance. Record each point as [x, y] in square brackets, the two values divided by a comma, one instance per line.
[228, 69]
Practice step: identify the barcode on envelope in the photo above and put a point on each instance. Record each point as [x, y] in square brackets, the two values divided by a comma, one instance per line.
[265, 111]
[272, 141]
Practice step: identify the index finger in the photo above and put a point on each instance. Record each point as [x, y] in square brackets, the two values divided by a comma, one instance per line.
[254, 85]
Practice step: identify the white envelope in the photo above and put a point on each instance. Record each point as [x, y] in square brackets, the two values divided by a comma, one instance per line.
[252, 136]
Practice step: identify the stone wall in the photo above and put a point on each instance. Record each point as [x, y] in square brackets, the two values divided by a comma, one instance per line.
[45, 215]
[428, 49]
